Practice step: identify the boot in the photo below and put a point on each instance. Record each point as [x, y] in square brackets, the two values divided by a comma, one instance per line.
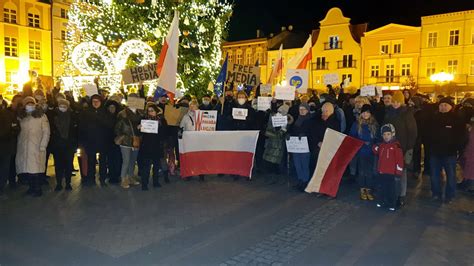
[156, 182]
[30, 190]
[37, 180]
[102, 182]
[132, 181]
[369, 194]
[363, 194]
[144, 186]
[59, 187]
[125, 183]
[165, 174]
[68, 183]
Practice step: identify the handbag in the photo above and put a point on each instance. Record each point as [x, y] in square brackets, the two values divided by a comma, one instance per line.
[135, 139]
[118, 140]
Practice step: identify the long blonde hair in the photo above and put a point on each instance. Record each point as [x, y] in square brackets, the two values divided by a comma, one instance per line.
[371, 123]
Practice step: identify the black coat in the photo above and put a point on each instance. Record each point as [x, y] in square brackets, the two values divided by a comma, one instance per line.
[56, 142]
[9, 129]
[249, 123]
[319, 127]
[152, 144]
[404, 122]
[93, 125]
[447, 134]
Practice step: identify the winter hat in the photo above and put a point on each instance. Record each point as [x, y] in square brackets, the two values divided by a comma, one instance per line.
[155, 107]
[28, 100]
[388, 128]
[97, 97]
[306, 106]
[446, 100]
[63, 102]
[365, 108]
[398, 97]
[116, 98]
[283, 109]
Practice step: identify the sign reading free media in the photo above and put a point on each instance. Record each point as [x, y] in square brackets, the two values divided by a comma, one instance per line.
[139, 74]
[243, 74]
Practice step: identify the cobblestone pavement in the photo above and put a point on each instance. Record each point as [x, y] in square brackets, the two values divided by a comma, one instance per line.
[222, 222]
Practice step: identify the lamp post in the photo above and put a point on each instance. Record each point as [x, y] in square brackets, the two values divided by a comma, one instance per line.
[441, 78]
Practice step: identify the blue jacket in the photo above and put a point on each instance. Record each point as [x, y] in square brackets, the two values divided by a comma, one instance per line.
[366, 149]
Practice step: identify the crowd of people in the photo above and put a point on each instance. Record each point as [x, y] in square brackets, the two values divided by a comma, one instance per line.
[404, 134]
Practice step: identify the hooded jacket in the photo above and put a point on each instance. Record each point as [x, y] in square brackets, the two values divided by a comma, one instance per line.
[390, 158]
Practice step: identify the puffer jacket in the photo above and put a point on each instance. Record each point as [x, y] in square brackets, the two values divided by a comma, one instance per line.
[274, 144]
[127, 126]
[390, 158]
[32, 143]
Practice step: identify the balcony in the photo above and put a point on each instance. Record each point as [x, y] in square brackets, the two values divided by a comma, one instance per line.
[388, 79]
[320, 66]
[346, 64]
[333, 45]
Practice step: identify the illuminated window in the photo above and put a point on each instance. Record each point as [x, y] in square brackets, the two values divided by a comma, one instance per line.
[389, 73]
[9, 15]
[454, 37]
[259, 55]
[406, 69]
[432, 39]
[374, 71]
[63, 35]
[397, 48]
[238, 58]
[11, 46]
[64, 13]
[452, 66]
[35, 50]
[248, 56]
[384, 49]
[471, 72]
[231, 56]
[430, 69]
[33, 20]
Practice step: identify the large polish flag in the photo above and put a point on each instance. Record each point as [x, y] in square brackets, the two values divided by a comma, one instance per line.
[167, 65]
[217, 152]
[278, 67]
[300, 60]
[336, 152]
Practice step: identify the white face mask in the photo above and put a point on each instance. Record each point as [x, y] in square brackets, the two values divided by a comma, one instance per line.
[62, 109]
[133, 110]
[241, 101]
[30, 108]
[205, 102]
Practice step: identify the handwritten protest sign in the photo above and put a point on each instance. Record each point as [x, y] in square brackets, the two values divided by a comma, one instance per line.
[331, 79]
[368, 90]
[136, 103]
[149, 126]
[298, 78]
[243, 74]
[265, 89]
[279, 120]
[240, 113]
[264, 103]
[139, 74]
[285, 93]
[205, 120]
[174, 115]
[295, 145]
[90, 89]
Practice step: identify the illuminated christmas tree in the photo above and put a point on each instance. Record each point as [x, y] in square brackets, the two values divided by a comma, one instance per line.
[113, 22]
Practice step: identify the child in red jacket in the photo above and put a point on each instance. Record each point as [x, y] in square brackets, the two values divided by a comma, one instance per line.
[389, 167]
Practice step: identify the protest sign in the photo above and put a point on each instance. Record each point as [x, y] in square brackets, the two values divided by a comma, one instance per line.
[298, 78]
[279, 120]
[297, 145]
[368, 90]
[264, 103]
[331, 79]
[149, 126]
[242, 74]
[174, 115]
[379, 91]
[205, 120]
[90, 89]
[265, 89]
[139, 74]
[136, 103]
[285, 93]
[240, 113]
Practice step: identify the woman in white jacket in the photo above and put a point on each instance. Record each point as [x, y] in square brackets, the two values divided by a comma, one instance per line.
[188, 124]
[32, 143]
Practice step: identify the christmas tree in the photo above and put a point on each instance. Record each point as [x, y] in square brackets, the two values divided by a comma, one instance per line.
[112, 22]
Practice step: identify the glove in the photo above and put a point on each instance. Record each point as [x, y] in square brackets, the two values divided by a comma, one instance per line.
[408, 156]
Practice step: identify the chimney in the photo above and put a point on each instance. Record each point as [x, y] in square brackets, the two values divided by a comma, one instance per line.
[283, 28]
[258, 33]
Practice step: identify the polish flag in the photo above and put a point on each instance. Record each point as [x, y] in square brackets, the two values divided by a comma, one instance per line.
[336, 152]
[278, 67]
[217, 152]
[300, 60]
[167, 65]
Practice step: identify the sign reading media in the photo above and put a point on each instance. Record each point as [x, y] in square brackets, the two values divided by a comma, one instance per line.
[242, 74]
[139, 74]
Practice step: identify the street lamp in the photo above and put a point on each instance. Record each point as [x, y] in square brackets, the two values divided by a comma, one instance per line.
[442, 78]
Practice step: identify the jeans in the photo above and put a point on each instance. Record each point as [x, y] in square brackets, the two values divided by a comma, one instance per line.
[129, 158]
[387, 190]
[365, 169]
[63, 164]
[4, 170]
[301, 161]
[449, 164]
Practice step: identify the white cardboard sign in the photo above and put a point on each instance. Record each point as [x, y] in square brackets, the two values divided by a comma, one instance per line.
[90, 89]
[265, 89]
[279, 120]
[285, 93]
[295, 145]
[331, 79]
[149, 126]
[240, 113]
[264, 103]
[298, 78]
[205, 120]
[368, 90]
[136, 103]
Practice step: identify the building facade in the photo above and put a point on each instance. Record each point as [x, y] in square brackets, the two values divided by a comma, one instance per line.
[390, 56]
[447, 45]
[60, 19]
[25, 35]
[337, 50]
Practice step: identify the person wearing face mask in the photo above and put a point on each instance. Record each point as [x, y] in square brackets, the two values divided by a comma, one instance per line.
[128, 134]
[224, 108]
[188, 124]
[249, 122]
[93, 124]
[32, 143]
[64, 126]
[206, 103]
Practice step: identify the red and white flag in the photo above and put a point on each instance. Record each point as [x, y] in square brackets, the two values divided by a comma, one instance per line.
[167, 65]
[277, 67]
[217, 152]
[300, 60]
[336, 152]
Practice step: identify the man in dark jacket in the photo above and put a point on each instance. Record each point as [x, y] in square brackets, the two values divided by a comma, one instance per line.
[112, 153]
[14, 107]
[447, 135]
[402, 118]
[206, 103]
[8, 130]
[243, 124]
[93, 124]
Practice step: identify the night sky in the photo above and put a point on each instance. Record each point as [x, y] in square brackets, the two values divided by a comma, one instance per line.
[270, 15]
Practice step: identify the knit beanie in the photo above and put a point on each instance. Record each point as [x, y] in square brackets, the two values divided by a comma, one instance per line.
[446, 100]
[398, 97]
[28, 100]
[306, 106]
[366, 108]
[63, 102]
[388, 128]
